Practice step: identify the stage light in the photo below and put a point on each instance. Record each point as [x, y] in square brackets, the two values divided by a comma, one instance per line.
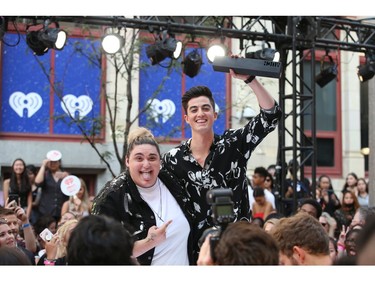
[192, 63]
[366, 72]
[164, 47]
[328, 73]
[42, 40]
[112, 43]
[216, 50]
[264, 54]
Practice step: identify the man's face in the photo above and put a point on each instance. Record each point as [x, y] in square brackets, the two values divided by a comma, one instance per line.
[200, 114]
[258, 180]
[12, 222]
[310, 209]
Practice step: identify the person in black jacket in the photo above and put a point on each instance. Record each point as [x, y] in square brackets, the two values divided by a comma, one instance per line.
[149, 201]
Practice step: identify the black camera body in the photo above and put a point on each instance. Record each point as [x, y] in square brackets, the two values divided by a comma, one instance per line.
[222, 214]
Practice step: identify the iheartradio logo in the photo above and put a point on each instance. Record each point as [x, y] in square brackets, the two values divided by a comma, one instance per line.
[20, 102]
[161, 110]
[78, 107]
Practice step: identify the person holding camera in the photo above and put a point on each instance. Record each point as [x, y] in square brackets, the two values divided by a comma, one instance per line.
[150, 202]
[18, 188]
[208, 161]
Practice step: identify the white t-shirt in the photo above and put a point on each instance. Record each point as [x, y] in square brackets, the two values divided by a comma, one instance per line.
[267, 194]
[173, 251]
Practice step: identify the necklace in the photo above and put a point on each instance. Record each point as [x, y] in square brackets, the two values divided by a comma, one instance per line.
[159, 214]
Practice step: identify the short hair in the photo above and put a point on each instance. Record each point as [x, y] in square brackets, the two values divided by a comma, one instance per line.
[315, 204]
[100, 240]
[301, 230]
[13, 256]
[140, 136]
[366, 212]
[195, 92]
[258, 191]
[245, 244]
[261, 171]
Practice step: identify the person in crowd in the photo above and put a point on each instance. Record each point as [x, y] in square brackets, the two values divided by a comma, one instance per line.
[56, 248]
[347, 244]
[46, 221]
[329, 224]
[8, 235]
[329, 200]
[312, 207]
[100, 240]
[363, 195]
[259, 180]
[36, 193]
[207, 160]
[349, 206]
[17, 219]
[78, 204]
[240, 243]
[260, 208]
[269, 224]
[333, 249]
[350, 184]
[366, 243]
[302, 191]
[301, 240]
[49, 177]
[19, 185]
[361, 216]
[66, 217]
[150, 201]
[12, 256]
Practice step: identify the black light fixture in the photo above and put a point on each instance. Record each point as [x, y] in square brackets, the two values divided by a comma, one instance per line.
[164, 47]
[192, 63]
[366, 72]
[328, 73]
[112, 43]
[46, 38]
[268, 54]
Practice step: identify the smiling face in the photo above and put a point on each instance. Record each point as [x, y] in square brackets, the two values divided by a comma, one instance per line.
[18, 167]
[200, 114]
[6, 236]
[144, 164]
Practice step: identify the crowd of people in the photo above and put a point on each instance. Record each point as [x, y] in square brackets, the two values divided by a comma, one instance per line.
[159, 211]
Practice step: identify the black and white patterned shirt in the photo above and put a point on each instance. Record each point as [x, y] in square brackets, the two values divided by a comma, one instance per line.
[225, 167]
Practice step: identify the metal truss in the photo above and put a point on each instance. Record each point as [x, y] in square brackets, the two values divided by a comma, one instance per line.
[293, 36]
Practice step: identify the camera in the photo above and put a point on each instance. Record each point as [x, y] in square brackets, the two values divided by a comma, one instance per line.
[13, 197]
[222, 214]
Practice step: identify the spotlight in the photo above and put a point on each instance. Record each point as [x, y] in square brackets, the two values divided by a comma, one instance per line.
[46, 38]
[164, 47]
[112, 43]
[216, 50]
[366, 72]
[327, 74]
[192, 63]
[264, 54]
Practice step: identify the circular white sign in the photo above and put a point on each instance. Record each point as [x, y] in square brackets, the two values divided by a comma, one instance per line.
[54, 155]
[70, 185]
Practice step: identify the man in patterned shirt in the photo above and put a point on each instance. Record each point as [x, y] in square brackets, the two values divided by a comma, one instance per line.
[207, 161]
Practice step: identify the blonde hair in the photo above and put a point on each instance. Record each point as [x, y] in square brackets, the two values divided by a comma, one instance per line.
[61, 233]
[141, 136]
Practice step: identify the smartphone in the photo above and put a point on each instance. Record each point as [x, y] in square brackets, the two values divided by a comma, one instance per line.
[13, 197]
[46, 234]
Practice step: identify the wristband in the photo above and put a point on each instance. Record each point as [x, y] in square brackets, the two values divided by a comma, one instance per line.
[25, 225]
[248, 80]
[49, 262]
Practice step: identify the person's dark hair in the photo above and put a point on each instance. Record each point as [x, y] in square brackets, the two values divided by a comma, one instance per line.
[346, 183]
[364, 180]
[195, 92]
[100, 240]
[245, 244]
[334, 242]
[258, 191]
[274, 215]
[13, 256]
[43, 222]
[261, 171]
[315, 204]
[31, 168]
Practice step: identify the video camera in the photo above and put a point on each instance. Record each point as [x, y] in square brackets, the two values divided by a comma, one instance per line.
[222, 214]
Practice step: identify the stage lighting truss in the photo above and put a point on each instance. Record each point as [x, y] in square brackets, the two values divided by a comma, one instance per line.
[40, 41]
[192, 63]
[166, 46]
[327, 73]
